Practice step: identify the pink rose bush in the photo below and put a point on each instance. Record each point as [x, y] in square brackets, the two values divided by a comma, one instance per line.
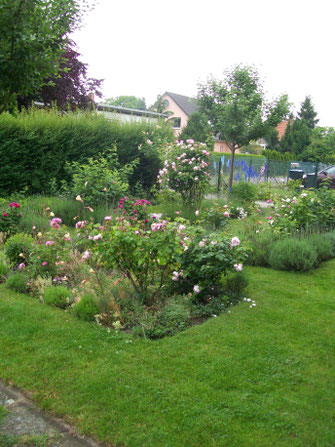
[185, 171]
[9, 219]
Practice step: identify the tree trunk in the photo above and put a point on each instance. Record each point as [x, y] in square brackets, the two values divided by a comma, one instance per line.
[231, 168]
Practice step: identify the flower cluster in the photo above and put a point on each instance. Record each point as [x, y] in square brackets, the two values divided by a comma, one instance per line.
[134, 210]
[9, 219]
[186, 171]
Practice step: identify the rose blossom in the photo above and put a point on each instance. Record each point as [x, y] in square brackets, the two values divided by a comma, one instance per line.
[235, 242]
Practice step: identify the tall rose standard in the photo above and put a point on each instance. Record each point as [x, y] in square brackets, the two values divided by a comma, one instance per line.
[186, 171]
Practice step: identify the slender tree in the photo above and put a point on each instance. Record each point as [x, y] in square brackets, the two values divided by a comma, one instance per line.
[237, 110]
[307, 113]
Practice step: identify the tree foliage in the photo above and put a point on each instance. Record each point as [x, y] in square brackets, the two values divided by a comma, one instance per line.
[237, 110]
[131, 102]
[198, 129]
[70, 88]
[32, 38]
[307, 113]
[297, 137]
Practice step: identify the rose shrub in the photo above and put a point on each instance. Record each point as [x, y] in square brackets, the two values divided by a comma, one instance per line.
[186, 171]
[9, 219]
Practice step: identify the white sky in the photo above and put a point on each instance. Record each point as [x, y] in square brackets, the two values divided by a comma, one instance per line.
[146, 47]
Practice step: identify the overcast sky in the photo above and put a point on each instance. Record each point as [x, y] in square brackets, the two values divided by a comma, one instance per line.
[146, 47]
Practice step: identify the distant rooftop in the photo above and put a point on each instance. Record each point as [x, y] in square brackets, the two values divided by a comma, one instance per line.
[187, 104]
[128, 111]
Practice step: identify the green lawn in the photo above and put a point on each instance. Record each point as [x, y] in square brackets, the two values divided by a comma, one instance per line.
[249, 378]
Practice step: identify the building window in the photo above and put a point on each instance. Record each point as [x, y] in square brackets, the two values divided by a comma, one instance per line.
[221, 148]
[176, 123]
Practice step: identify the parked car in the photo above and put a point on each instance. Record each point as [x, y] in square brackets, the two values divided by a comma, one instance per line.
[328, 173]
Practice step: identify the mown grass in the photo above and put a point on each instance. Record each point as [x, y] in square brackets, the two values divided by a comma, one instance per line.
[252, 377]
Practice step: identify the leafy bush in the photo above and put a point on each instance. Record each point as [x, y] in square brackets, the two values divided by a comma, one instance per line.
[4, 270]
[146, 253]
[234, 283]
[9, 219]
[293, 254]
[173, 317]
[186, 171]
[202, 265]
[260, 245]
[17, 282]
[58, 296]
[86, 308]
[100, 180]
[16, 245]
[323, 246]
[310, 210]
[246, 191]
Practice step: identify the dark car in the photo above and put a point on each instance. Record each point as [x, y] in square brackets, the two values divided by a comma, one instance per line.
[328, 173]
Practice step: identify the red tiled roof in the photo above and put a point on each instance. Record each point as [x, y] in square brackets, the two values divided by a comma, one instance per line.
[281, 128]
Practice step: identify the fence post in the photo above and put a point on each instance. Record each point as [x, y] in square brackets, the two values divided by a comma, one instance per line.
[249, 170]
[219, 175]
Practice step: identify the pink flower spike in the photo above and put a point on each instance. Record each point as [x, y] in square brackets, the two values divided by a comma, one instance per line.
[49, 242]
[269, 218]
[44, 263]
[269, 201]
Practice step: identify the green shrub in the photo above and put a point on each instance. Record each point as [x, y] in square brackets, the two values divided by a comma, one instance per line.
[234, 283]
[58, 296]
[293, 254]
[260, 244]
[4, 270]
[245, 191]
[86, 308]
[174, 317]
[323, 246]
[17, 282]
[17, 244]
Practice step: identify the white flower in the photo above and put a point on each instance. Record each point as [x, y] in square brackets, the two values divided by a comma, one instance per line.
[175, 276]
[79, 199]
[197, 213]
[235, 242]
[201, 244]
[196, 289]
[238, 267]
[97, 237]
[214, 242]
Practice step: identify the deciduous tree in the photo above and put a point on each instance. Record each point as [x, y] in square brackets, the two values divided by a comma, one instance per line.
[32, 38]
[237, 110]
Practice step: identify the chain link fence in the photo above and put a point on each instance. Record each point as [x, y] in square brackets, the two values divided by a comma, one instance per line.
[260, 170]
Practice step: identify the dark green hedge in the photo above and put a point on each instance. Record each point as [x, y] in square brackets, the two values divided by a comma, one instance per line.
[35, 146]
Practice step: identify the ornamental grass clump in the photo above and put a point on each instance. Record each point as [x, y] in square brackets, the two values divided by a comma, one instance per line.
[186, 171]
[293, 254]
